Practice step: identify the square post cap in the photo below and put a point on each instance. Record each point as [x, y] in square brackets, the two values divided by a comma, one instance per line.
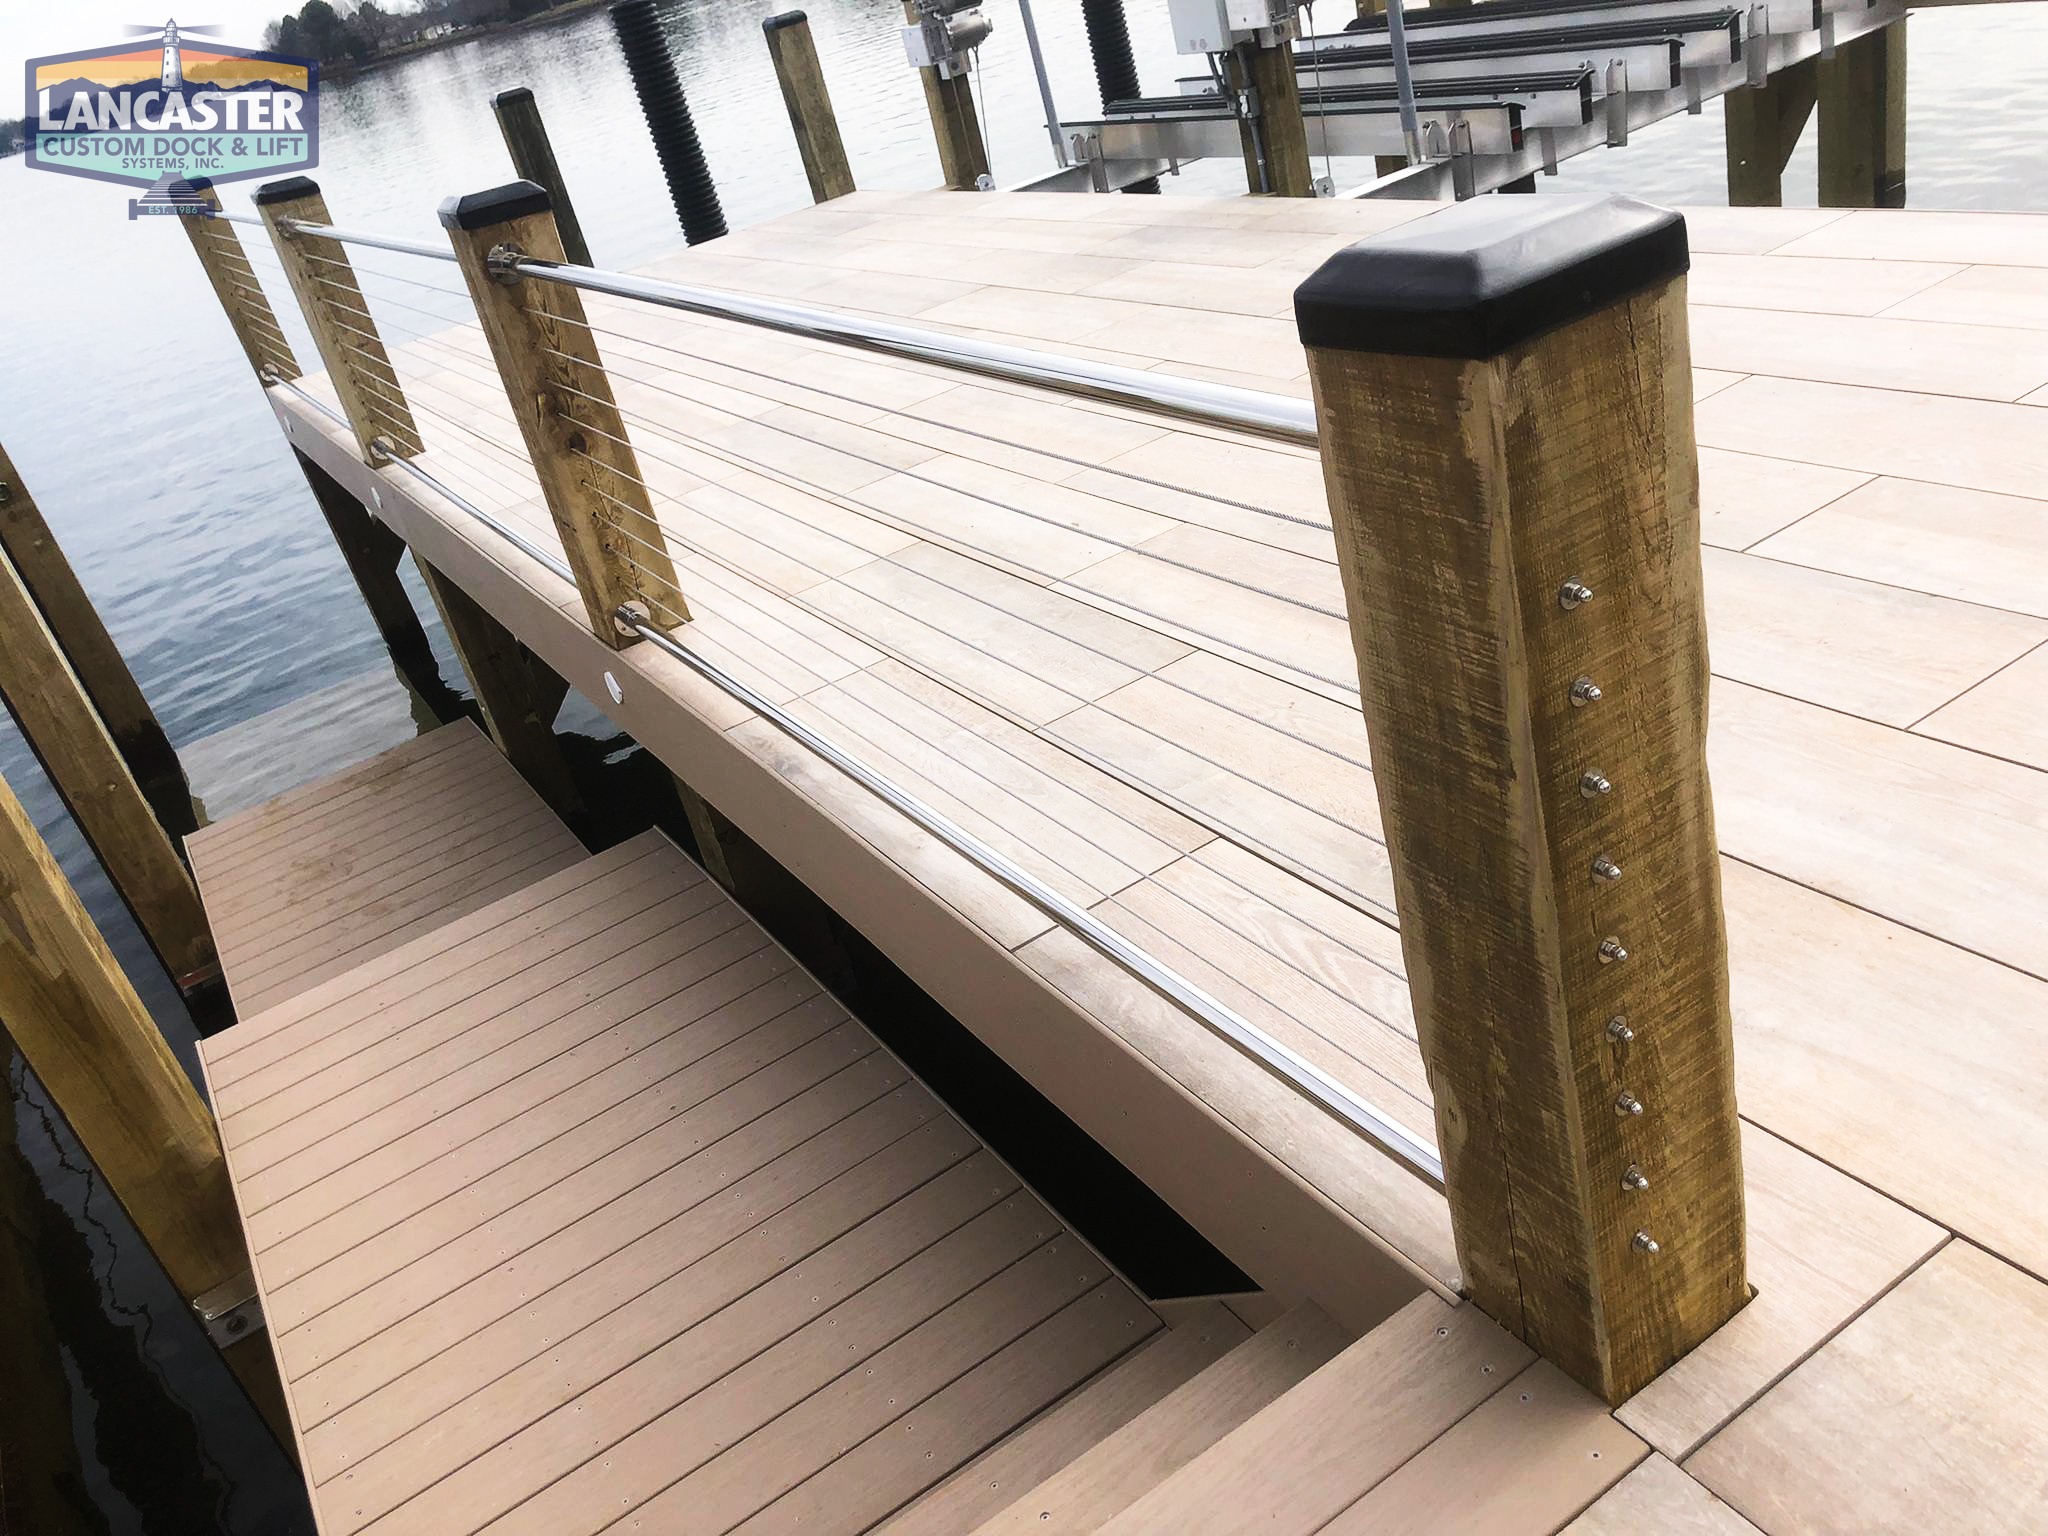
[786, 19]
[500, 205]
[1488, 274]
[289, 190]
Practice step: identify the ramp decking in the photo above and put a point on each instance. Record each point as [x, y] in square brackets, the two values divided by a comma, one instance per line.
[1115, 649]
[320, 879]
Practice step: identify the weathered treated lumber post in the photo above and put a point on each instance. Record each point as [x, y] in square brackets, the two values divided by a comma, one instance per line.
[83, 1031]
[963, 158]
[58, 720]
[533, 159]
[1763, 125]
[324, 283]
[1862, 92]
[234, 282]
[802, 80]
[518, 694]
[26, 540]
[1504, 397]
[547, 355]
[1279, 132]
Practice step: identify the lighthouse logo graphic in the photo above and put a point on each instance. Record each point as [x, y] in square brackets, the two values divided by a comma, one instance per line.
[170, 107]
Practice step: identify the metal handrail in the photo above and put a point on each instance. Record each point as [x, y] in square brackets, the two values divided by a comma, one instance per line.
[1282, 1061]
[1281, 417]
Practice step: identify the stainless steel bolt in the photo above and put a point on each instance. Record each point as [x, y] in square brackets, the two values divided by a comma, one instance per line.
[1605, 870]
[1644, 1243]
[1618, 1029]
[1585, 691]
[1634, 1178]
[1593, 784]
[1611, 951]
[1626, 1104]
[1573, 593]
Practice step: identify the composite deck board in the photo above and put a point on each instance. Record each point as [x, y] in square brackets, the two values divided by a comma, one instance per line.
[339, 872]
[596, 1178]
[1105, 638]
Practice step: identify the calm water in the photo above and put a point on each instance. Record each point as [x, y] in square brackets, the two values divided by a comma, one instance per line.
[131, 413]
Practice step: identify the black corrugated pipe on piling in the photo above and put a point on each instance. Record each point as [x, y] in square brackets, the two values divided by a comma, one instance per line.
[1116, 73]
[668, 118]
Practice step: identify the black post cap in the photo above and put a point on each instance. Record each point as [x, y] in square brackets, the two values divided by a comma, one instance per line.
[786, 19]
[500, 205]
[1488, 274]
[517, 93]
[289, 190]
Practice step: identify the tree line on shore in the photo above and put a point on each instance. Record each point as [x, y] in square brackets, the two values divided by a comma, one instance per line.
[361, 30]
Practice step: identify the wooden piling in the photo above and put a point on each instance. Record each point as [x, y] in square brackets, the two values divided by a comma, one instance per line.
[1763, 124]
[533, 159]
[547, 355]
[1862, 93]
[57, 718]
[332, 303]
[518, 694]
[802, 80]
[1504, 396]
[1283, 131]
[85, 1034]
[963, 158]
[26, 540]
[227, 268]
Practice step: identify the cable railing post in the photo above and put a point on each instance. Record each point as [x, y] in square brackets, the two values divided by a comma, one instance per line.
[561, 396]
[324, 282]
[227, 268]
[1505, 402]
[810, 105]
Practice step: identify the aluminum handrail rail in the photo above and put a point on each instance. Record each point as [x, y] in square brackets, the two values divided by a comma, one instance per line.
[1416, 1153]
[1261, 414]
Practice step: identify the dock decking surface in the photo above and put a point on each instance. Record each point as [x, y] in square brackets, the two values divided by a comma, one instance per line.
[324, 877]
[1115, 649]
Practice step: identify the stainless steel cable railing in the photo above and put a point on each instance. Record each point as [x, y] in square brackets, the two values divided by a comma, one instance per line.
[1275, 417]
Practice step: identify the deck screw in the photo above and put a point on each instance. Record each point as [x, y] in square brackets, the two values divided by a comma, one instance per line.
[1626, 1104]
[1573, 593]
[1605, 870]
[1593, 784]
[1634, 1178]
[1611, 951]
[1618, 1030]
[1644, 1243]
[1585, 691]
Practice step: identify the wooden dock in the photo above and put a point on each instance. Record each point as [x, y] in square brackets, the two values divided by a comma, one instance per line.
[1115, 649]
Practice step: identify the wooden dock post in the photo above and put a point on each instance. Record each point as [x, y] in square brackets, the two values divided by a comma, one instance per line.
[533, 159]
[1762, 125]
[547, 356]
[802, 80]
[1282, 130]
[26, 540]
[227, 268]
[324, 282]
[963, 158]
[518, 694]
[1862, 93]
[1505, 401]
[57, 717]
[85, 1034]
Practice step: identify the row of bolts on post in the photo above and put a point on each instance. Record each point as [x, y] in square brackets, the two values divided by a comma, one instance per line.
[1592, 786]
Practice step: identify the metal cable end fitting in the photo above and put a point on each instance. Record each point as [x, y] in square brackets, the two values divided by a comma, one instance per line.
[1572, 594]
[1634, 1178]
[1626, 1104]
[1585, 691]
[1618, 1030]
[1644, 1243]
[1605, 870]
[1611, 951]
[1593, 784]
